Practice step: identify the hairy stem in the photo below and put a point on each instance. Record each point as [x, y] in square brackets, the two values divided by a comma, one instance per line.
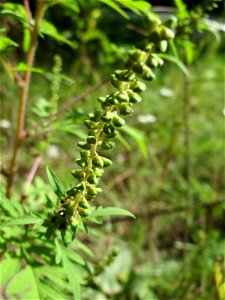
[24, 96]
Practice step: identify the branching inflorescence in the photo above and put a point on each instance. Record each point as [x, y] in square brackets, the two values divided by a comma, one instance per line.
[103, 123]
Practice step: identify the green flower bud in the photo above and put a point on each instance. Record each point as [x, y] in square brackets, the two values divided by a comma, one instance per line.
[91, 124]
[137, 55]
[124, 75]
[138, 67]
[95, 116]
[133, 97]
[97, 161]
[106, 144]
[171, 22]
[81, 162]
[91, 139]
[107, 117]
[84, 145]
[102, 99]
[98, 172]
[152, 22]
[152, 61]
[92, 179]
[83, 203]
[108, 129]
[120, 85]
[147, 73]
[125, 109]
[93, 190]
[117, 121]
[80, 186]
[107, 162]
[74, 222]
[123, 97]
[138, 86]
[79, 173]
[83, 212]
[163, 45]
[166, 33]
[85, 154]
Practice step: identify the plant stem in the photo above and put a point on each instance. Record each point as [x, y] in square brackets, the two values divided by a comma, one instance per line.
[24, 96]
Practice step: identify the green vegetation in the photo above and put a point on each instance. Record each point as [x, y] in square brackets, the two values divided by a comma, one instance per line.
[151, 227]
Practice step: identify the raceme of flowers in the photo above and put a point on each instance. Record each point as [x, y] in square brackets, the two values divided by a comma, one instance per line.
[104, 123]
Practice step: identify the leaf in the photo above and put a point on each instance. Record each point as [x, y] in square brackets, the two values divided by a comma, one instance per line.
[49, 29]
[6, 43]
[24, 67]
[24, 283]
[116, 7]
[55, 182]
[111, 211]
[139, 138]
[70, 270]
[71, 4]
[26, 220]
[9, 267]
[178, 62]
[136, 7]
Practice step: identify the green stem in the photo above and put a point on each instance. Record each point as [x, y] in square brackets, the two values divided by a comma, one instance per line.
[24, 96]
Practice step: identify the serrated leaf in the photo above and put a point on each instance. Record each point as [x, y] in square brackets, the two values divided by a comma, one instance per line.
[9, 267]
[26, 220]
[71, 4]
[136, 7]
[116, 7]
[6, 42]
[112, 211]
[24, 67]
[49, 29]
[55, 182]
[70, 270]
[24, 283]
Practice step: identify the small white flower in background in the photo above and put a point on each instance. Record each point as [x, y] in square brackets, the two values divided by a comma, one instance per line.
[53, 151]
[147, 118]
[223, 111]
[166, 92]
[5, 124]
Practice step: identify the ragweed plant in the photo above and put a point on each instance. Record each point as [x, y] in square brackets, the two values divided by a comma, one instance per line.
[103, 125]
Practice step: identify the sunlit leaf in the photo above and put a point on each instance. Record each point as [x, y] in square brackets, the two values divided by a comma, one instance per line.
[111, 211]
[55, 182]
[6, 43]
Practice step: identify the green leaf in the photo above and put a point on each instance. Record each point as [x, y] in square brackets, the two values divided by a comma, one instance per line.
[26, 220]
[136, 7]
[21, 67]
[111, 211]
[71, 270]
[178, 62]
[49, 29]
[139, 138]
[71, 4]
[6, 42]
[55, 182]
[24, 283]
[9, 267]
[116, 7]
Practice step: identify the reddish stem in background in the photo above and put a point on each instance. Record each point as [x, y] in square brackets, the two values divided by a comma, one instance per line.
[24, 96]
[28, 12]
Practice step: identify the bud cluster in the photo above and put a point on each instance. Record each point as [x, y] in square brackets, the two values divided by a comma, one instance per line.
[103, 124]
